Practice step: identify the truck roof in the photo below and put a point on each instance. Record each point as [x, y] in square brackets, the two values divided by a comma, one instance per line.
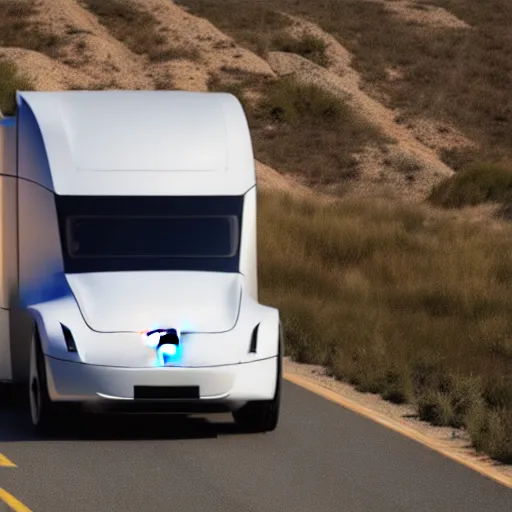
[135, 143]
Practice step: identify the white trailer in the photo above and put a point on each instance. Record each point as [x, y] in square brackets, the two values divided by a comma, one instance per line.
[129, 262]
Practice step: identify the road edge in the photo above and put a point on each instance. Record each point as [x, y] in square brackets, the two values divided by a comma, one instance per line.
[400, 428]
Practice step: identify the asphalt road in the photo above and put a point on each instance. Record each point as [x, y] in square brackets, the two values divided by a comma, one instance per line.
[322, 458]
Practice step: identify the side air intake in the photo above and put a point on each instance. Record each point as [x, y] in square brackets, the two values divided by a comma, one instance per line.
[68, 338]
[254, 340]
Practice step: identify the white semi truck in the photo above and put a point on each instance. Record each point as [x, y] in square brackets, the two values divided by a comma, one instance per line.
[129, 259]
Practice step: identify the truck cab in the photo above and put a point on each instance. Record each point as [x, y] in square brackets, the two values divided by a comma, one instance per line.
[130, 255]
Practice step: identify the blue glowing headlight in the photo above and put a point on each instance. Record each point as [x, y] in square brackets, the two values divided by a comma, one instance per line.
[166, 349]
[165, 353]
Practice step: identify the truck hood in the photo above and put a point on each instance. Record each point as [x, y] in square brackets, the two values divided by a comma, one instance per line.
[138, 301]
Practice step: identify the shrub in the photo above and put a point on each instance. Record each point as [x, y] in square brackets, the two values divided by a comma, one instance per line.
[498, 392]
[436, 408]
[475, 185]
[491, 432]
[308, 46]
[291, 102]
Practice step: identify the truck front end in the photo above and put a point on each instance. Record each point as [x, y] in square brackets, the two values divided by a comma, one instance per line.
[154, 310]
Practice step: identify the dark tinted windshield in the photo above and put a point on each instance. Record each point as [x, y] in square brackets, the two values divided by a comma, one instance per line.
[156, 233]
[135, 237]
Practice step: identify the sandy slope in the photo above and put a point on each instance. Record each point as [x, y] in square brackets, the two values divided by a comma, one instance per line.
[422, 14]
[91, 57]
[270, 179]
[382, 172]
[88, 46]
[216, 48]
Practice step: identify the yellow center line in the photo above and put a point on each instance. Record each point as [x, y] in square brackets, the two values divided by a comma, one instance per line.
[400, 428]
[12, 502]
[5, 462]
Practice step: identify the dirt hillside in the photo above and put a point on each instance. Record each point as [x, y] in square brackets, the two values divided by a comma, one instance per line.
[96, 46]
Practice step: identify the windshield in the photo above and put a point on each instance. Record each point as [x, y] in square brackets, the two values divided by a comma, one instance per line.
[168, 237]
[158, 233]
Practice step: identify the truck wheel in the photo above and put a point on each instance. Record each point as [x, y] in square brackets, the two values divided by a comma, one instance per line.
[261, 416]
[257, 417]
[42, 409]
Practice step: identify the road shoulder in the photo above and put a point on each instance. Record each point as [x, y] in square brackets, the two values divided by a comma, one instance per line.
[453, 443]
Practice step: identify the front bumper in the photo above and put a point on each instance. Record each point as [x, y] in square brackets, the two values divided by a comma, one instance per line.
[230, 384]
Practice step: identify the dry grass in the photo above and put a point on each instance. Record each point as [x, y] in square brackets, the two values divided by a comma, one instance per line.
[458, 76]
[399, 301]
[259, 27]
[403, 163]
[254, 24]
[302, 129]
[18, 30]
[305, 130]
[11, 80]
[139, 30]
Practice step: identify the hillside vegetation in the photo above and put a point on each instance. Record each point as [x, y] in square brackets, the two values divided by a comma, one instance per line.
[399, 301]
[452, 66]
[369, 119]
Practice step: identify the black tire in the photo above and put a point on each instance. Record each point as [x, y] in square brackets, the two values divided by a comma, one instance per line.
[46, 418]
[262, 416]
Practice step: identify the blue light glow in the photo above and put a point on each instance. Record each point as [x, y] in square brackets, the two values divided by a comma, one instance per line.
[165, 353]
